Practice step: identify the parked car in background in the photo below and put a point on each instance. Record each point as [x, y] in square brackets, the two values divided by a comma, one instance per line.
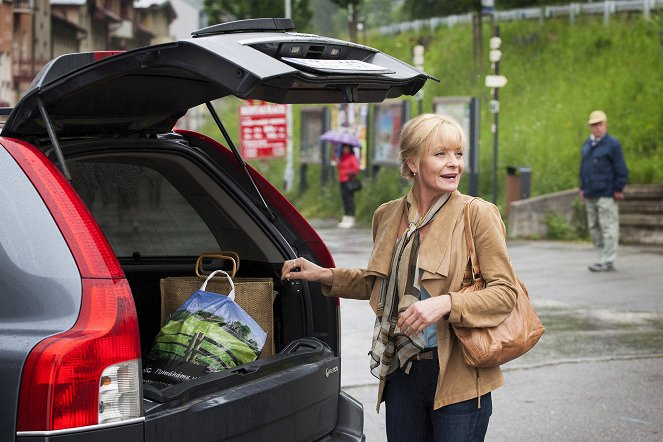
[102, 199]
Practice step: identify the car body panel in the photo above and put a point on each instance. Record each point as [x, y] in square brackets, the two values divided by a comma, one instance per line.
[41, 285]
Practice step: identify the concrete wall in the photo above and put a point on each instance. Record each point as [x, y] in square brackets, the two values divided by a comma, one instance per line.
[527, 218]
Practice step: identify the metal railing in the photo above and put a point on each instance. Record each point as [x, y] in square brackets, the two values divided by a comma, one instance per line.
[572, 10]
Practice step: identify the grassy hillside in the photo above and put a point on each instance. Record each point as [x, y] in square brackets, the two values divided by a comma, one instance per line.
[558, 73]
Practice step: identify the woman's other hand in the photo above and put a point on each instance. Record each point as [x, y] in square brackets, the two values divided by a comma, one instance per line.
[421, 314]
[303, 269]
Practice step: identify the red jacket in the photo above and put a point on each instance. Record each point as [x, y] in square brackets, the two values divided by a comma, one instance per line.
[347, 166]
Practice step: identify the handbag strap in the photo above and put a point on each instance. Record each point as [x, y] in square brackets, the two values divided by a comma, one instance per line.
[469, 239]
[231, 295]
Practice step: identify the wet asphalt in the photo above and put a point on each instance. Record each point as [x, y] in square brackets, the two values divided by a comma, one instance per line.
[595, 375]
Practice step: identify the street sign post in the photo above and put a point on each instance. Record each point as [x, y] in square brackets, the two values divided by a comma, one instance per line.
[495, 82]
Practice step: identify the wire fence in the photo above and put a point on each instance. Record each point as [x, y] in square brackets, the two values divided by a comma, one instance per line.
[572, 10]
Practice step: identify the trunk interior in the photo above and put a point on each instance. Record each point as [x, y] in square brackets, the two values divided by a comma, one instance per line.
[163, 203]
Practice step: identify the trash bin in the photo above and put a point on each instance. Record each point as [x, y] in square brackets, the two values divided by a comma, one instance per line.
[518, 181]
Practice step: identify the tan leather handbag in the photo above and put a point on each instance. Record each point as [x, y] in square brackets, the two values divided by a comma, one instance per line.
[515, 336]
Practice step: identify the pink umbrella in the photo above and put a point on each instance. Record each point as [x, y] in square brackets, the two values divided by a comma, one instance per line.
[340, 138]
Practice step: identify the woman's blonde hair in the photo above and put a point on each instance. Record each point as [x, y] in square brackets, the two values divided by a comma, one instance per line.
[419, 134]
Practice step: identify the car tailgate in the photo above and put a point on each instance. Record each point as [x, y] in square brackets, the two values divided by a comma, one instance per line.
[290, 396]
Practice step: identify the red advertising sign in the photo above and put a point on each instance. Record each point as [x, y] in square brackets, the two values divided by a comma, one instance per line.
[264, 130]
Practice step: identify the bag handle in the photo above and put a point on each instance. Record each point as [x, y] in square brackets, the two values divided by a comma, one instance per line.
[231, 295]
[469, 239]
[231, 256]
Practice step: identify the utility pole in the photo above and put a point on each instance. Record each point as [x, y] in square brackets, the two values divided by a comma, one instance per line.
[495, 43]
[289, 173]
[494, 82]
[418, 58]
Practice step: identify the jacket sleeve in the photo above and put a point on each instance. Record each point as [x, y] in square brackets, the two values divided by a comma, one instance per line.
[490, 306]
[621, 171]
[348, 283]
[355, 165]
[353, 283]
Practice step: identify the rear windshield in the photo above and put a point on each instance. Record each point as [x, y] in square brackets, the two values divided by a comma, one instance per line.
[139, 211]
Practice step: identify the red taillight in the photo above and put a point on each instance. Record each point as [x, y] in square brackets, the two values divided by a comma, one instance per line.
[60, 383]
[93, 254]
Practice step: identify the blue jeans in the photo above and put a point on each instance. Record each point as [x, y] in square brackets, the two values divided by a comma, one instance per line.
[410, 415]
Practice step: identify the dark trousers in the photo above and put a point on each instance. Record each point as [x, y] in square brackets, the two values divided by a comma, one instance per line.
[410, 415]
[348, 199]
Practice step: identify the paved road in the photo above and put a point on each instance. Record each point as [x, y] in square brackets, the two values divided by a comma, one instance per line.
[596, 374]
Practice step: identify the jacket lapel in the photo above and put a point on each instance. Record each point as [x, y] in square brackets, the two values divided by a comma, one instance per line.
[385, 240]
[434, 247]
[438, 238]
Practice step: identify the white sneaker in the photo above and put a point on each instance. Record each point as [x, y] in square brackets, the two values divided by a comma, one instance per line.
[343, 222]
[347, 223]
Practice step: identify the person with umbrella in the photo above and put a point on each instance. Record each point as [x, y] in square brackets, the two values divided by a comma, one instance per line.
[348, 167]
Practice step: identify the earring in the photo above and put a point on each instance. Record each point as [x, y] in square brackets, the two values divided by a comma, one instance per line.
[414, 173]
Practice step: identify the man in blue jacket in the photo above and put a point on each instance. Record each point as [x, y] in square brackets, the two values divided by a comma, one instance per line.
[603, 175]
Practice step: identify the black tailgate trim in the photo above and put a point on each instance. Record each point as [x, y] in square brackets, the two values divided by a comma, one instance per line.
[290, 396]
[306, 350]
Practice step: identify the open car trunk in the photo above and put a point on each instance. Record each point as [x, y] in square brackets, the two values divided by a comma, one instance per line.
[162, 203]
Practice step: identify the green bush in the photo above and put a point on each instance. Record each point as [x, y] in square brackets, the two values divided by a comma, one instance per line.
[559, 228]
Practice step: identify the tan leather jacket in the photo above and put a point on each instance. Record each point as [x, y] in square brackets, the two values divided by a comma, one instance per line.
[443, 256]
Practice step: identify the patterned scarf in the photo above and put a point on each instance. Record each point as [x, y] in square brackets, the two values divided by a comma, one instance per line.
[391, 348]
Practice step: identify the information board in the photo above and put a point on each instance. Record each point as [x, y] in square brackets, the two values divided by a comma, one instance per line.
[263, 129]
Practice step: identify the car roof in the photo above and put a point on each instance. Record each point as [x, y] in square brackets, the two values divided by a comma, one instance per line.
[146, 90]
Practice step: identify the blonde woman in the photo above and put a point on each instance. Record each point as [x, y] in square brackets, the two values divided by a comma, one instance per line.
[412, 282]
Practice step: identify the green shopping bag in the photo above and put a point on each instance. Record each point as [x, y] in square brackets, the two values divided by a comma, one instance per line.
[208, 333]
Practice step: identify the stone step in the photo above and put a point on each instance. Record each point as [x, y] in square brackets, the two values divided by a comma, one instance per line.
[640, 235]
[641, 206]
[643, 191]
[640, 219]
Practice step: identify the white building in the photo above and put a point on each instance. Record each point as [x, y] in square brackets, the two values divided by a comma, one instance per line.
[190, 17]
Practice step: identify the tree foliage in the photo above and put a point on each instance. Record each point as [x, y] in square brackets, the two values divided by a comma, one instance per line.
[346, 3]
[353, 7]
[220, 11]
